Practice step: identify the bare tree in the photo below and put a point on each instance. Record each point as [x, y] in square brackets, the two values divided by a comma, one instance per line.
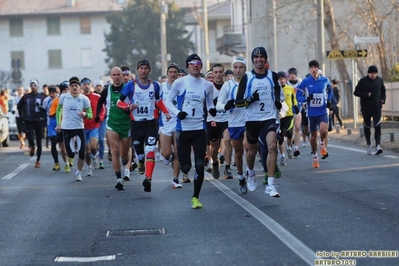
[5, 78]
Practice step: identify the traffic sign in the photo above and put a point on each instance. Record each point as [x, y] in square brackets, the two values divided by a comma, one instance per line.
[367, 39]
[343, 54]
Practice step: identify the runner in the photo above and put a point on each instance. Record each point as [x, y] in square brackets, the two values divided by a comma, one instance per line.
[192, 93]
[143, 95]
[118, 125]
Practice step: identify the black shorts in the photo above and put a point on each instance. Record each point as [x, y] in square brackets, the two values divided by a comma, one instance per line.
[214, 130]
[143, 131]
[253, 129]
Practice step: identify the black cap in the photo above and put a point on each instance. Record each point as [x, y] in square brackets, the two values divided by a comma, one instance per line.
[74, 80]
[258, 51]
[293, 70]
[314, 63]
[191, 58]
[181, 70]
[63, 86]
[372, 69]
[173, 65]
[84, 80]
[334, 81]
[282, 74]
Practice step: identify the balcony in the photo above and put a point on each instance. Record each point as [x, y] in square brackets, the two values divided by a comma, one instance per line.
[233, 41]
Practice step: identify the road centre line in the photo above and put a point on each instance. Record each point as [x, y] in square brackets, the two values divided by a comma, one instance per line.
[16, 171]
[359, 150]
[305, 253]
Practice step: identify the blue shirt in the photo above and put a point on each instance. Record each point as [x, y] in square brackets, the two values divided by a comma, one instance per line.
[322, 93]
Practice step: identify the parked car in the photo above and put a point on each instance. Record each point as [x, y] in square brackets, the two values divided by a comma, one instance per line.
[11, 119]
[4, 128]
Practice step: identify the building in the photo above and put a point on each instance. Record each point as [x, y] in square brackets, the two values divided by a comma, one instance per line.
[55, 41]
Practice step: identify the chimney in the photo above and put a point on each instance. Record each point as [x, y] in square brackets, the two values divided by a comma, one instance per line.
[70, 3]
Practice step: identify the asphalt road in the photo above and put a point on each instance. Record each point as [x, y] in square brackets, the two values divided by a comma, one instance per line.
[349, 204]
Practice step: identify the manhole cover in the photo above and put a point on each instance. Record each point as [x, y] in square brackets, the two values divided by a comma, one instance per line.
[137, 232]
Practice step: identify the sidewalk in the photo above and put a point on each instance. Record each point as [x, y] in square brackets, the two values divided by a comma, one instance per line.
[355, 135]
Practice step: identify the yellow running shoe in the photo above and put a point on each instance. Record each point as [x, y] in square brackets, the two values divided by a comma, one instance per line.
[196, 204]
[56, 167]
[67, 169]
[70, 161]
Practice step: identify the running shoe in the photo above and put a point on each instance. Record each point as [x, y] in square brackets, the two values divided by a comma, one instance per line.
[277, 174]
[67, 169]
[109, 156]
[186, 179]
[89, 171]
[289, 152]
[119, 184]
[264, 182]
[251, 181]
[175, 183]
[304, 144]
[56, 167]
[242, 186]
[282, 160]
[323, 151]
[22, 145]
[215, 170]
[141, 168]
[126, 175]
[101, 165]
[78, 177]
[221, 159]
[37, 164]
[378, 150]
[227, 174]
[147, 184]
[96, 164]
[70, 161]
[196, 204]
[31, 151]
[369, 149]
[208, 168]
[165, 161]
[296, 152]
[133, 166]
[316, 162]
[272, 191]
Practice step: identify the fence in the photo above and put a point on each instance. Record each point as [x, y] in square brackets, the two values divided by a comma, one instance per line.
[391, 106]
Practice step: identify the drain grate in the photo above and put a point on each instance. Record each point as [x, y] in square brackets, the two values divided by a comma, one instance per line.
[137, 232]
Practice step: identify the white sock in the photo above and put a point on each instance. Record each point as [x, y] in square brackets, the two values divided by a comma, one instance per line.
[270, 181]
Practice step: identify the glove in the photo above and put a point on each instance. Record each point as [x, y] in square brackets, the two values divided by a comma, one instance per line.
[254, 97]
[215, 101]
[295, 108]
[329, 105]
[13, 112]
[182, 115]
[278, 104]
[230, 104]
[97, 119]
[212, 111]
[310, 97]
[241, 103]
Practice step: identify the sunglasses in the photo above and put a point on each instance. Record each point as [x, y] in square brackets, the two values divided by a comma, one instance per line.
[195, 63]
[33, 85]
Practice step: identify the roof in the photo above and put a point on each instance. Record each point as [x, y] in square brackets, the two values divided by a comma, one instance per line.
[215, 12]
[9, 8]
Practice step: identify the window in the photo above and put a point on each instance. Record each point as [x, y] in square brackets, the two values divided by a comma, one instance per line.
[85, 25]
[16, 27]
[18, 59]
[54, 59]
[53, 26]
[86, 57]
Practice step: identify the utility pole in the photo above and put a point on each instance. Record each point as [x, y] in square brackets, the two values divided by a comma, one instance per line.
[321, 51]
[206, 34]
[275, 52]
[164, 12]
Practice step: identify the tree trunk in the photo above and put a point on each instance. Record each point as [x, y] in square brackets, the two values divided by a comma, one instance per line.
[344, 77]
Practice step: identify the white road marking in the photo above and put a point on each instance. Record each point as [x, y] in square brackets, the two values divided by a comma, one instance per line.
[84, 259]
[308, 255]
[16, 171]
